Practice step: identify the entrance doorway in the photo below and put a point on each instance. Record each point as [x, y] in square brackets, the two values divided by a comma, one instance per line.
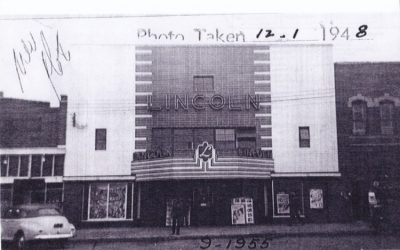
[203, 206]
[359, 200]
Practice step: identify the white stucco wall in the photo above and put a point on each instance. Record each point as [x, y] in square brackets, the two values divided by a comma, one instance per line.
[303, 94]
[101, 94]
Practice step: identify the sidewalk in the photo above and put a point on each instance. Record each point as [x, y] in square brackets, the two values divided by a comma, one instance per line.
[154, 234]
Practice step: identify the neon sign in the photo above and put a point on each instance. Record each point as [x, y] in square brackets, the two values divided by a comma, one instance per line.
[201, 102]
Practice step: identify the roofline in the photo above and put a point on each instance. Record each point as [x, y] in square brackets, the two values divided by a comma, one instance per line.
[369, 62]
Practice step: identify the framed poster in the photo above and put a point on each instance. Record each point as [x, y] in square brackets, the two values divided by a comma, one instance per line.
[249, 211]
[168, 211]
[117, 201]
[98, 201]
[236, 201]
[316, 199]
[238, 214]
[282, 202]
[372, 198]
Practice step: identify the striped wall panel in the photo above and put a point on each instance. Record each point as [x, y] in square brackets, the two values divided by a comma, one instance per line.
[262, 84]
[143, 88]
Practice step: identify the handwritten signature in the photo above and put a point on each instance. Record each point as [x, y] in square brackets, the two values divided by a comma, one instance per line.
[51, 64]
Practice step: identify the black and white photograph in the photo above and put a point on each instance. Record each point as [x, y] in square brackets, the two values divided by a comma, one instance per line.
[200, 131]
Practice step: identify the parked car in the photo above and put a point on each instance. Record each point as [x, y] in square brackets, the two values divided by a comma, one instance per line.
[34, 222]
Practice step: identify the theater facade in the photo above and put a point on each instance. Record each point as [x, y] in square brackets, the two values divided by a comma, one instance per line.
[216, 124]
[231, 130]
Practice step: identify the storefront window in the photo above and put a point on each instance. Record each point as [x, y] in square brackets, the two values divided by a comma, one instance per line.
[38, 193]
[107, 201]
[6, 195]
[117, 201]
[54, 193]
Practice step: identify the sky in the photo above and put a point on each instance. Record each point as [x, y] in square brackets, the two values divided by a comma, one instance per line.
[31, 68]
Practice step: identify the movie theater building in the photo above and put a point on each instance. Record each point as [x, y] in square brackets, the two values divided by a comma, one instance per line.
[231, 130]
[225, 126]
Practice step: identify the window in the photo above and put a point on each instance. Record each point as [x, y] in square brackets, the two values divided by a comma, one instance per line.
[183, 140]
[59, 165]
[24, 165]
[203, 83]
[13, 165]
[38, 165]
[359, 117]
[48, 212]
[161, 138]
[47, 165]
[225, 139]
[107, 201]
[304, 137]
[101, 139]
[246, 138]
[386, 112]
[202, 135]
[4, 165]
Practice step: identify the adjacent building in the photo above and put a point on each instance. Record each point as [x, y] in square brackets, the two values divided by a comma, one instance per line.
[98, 183]
[32, 151]
[368, 118]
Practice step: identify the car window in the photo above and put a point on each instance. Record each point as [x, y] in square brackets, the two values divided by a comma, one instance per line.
[16, 213]
[48, 211]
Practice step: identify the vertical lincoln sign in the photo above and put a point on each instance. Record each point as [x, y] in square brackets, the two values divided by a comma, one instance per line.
[201, 102]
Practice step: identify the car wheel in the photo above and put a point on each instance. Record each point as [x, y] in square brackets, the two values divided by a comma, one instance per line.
[19, 241]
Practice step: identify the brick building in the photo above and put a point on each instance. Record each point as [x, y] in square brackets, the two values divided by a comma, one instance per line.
[368, 118]
[32, 151]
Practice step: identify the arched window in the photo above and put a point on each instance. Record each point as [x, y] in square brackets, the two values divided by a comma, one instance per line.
[359, 109]
[386, 112]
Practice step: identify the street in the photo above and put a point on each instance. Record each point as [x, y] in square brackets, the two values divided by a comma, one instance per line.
[343, 242]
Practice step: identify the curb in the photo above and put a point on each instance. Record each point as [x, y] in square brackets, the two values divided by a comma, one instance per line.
[271, 235]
